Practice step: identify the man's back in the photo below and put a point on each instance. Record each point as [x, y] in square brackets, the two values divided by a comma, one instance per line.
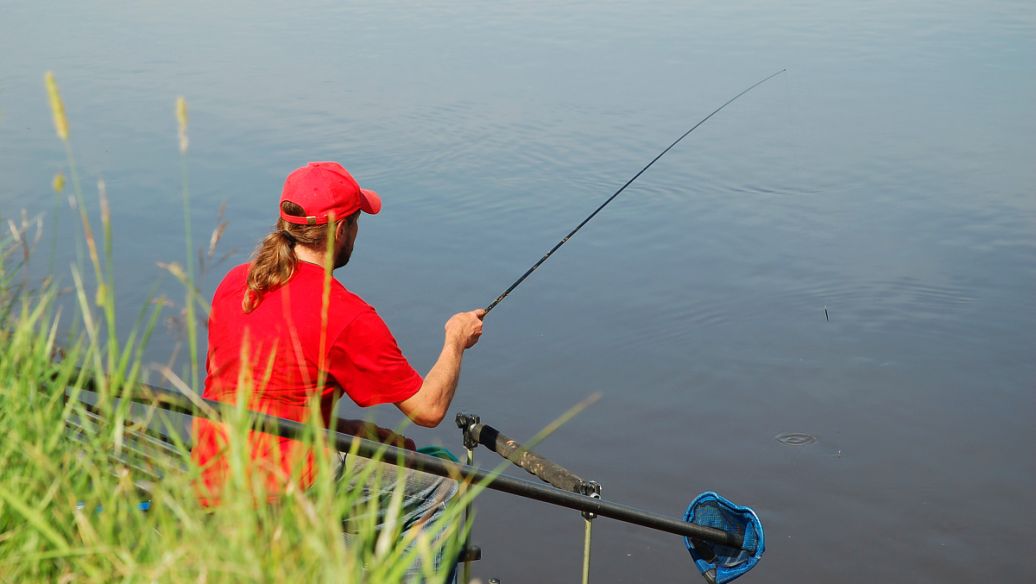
[284, 352]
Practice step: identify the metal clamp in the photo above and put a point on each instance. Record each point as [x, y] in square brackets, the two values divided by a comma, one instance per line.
[590, 489]
[467, 424]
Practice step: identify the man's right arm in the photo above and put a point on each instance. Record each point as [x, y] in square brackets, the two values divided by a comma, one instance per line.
[429, 405]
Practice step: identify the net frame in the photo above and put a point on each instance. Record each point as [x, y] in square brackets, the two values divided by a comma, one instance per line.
[720, 564]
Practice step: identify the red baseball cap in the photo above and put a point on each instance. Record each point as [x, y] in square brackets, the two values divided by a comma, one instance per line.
[321, 188]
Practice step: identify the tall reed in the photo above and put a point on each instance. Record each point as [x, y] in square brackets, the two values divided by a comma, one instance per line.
[191, 298]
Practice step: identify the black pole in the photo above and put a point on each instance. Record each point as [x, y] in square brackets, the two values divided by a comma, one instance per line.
[175, 402]
[528, 272]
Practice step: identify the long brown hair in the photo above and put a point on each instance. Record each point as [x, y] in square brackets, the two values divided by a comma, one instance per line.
[274, 259]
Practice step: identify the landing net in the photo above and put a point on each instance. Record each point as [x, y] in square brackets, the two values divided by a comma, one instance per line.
[719, 563]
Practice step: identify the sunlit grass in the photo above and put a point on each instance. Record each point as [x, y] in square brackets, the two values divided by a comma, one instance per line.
[74, 481]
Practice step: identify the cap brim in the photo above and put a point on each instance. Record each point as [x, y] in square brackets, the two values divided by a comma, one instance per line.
[371, 202]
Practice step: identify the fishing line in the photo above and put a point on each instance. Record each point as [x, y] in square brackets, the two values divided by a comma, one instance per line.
[616, 194]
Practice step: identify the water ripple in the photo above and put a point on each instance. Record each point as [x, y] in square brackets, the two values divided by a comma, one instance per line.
[795, 439]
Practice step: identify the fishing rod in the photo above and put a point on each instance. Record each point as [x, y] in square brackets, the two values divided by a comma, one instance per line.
[510, 288]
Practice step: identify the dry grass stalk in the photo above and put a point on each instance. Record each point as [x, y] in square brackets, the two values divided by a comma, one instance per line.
[57, 107]
[181, 122]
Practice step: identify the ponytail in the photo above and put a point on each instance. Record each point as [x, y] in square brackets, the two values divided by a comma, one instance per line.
[274, 259]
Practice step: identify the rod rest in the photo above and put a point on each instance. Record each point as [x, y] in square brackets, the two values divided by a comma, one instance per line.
[509, 448]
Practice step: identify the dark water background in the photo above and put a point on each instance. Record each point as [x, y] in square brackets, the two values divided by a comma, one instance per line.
[887, 176]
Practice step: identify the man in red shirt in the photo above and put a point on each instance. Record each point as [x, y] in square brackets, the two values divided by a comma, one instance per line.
[282, 329]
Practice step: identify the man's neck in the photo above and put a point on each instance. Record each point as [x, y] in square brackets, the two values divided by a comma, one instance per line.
[305, 254]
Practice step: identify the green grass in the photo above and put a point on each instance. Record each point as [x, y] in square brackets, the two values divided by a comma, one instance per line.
[72, 483]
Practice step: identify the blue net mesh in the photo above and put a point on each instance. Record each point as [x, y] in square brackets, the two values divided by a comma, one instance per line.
[717, 562]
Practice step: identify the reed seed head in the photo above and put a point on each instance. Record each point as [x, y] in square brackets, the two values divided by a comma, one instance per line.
[59, 182]
[57, 108]
[175, 269]
[181, 120]
[101, 297]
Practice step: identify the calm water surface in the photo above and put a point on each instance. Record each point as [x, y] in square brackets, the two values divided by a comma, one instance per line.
[888, 177]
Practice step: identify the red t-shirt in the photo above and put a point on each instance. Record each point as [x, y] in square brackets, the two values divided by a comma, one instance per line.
[276, 350]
